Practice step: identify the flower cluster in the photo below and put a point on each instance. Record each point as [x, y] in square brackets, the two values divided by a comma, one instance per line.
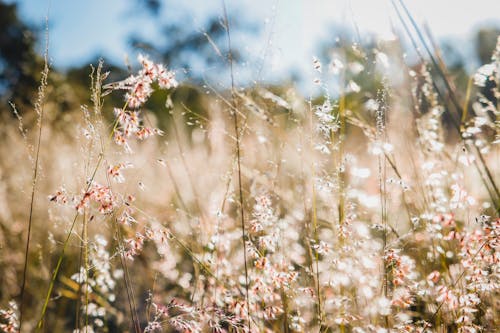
[99, 279]
[138, 90]
[177, 315]
[115, 171]
[9, 322]
[367, 235]
[99, 194]
[139, 87]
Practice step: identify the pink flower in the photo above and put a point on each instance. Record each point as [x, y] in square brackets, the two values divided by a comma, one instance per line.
[434, 277]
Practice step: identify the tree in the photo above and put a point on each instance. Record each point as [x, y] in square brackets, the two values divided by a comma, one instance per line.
[19, 64]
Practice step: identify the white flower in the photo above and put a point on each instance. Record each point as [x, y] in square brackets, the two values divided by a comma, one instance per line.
[483, 73]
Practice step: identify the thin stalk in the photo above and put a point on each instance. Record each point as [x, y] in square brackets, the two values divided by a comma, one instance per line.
[39, 108]
[79, 291]
[316, 256]
[452, 95]
[86, 263]
[285, 311]
[466, 103]
[82, 246]
[186, 248]
[398, 174]
[238, 159]
[188, 172]
[61, 256]
[97, 101]
[341, 168]
[340, 174]
[314, 218]
[197, 233]
[381, 136]
[128, 286]
[458, 279]
[176, 187]
[217, 231]
[307, 214]
[130, 292]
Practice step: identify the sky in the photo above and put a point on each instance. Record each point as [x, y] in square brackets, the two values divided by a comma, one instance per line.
[289, 35]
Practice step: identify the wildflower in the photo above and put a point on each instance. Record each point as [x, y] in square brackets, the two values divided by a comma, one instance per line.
[128, 121]
[484, 74]
[134, 246]
[322, 247]
[146, 132]
[166, 79]
[59, 197]
[126, 217]
[447, 296]
[152, 326]
[460, 197]
[139, 87]
[138, 90]
[434, 277]
[139, 93]
[446, 220]
[402, 298]
[9, 321]
[101, 195]
[261, 263]
[272, 312]
[115, 171]
[327, 121]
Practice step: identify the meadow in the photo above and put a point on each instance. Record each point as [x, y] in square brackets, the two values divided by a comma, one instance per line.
[372, 206]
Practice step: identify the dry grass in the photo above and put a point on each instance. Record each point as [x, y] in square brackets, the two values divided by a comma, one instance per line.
[362, 210]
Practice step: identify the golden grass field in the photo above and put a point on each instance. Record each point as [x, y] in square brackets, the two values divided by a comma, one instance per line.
[371, 207]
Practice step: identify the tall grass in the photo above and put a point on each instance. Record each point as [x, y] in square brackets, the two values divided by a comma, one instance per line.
[257, 210]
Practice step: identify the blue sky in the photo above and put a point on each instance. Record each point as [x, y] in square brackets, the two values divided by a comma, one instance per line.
[289, 30]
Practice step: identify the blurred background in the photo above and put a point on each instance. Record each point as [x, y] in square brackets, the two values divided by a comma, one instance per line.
[273, 44]
[274, 41]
